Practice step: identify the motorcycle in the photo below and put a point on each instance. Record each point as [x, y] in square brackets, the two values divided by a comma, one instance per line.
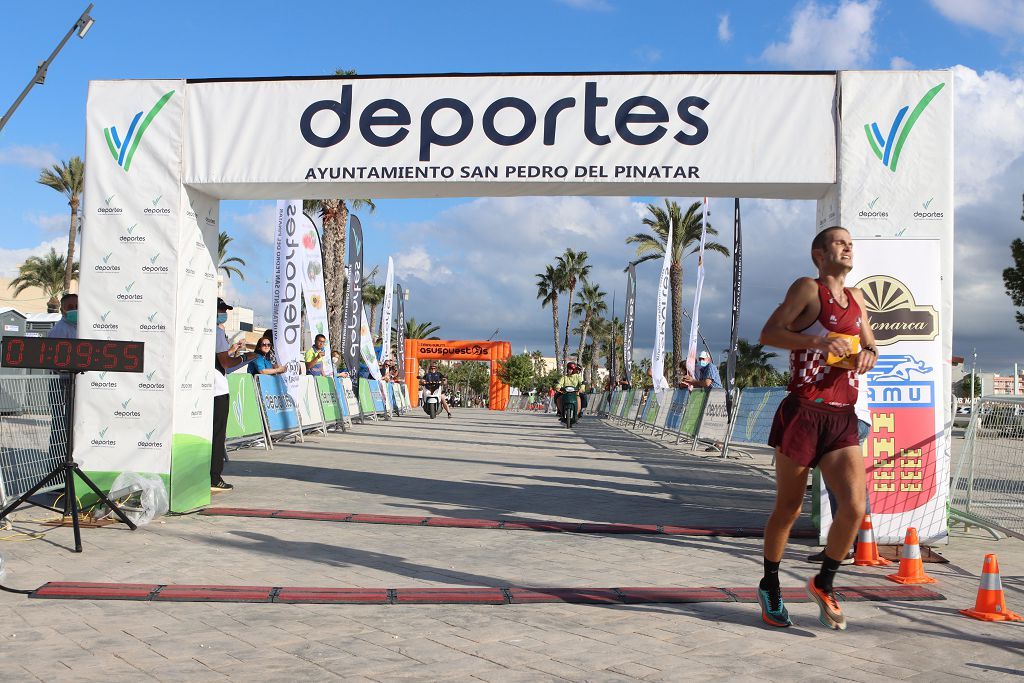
[569, 406]
[432, 400]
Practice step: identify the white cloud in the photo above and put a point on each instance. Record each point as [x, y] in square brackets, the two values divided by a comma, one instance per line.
[591, 5]
[417, 263]
[999, 17]
[10, 259]
[897, 63]
[26, 155]
[989, 130]
[50, 222]
[724, 32]
[261, 224]
[820, 38]
[648, 54]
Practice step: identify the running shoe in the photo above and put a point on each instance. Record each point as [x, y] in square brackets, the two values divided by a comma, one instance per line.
[830, 615]
[773, 610]
[819, 557]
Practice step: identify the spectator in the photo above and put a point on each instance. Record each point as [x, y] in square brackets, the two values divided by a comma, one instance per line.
[336, 362]
[67, 326]
[265, 362]
[225, 359]
[315, 357]
[705, 377]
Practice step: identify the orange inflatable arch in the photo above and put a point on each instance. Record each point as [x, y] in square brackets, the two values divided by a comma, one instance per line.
[438, 349]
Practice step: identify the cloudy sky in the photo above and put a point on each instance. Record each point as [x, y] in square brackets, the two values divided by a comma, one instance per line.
[470, 263]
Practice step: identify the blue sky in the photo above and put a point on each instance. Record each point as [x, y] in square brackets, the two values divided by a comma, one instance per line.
[441, 245]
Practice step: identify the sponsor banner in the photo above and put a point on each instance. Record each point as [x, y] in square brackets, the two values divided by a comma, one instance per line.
[385, 326]
[896, 156]
[661, 316]
[350, 401]
[313, 293]
[737, 287]
[366, 402]
[627, 403]
[309, 401]
[377, 396]
[244, 418]
[516, 135]
[754, 414]
[651, 405]
[677, 407]
[714, 423]
[278, 405]
[630, 320]
[905, 453]
[366, 351]
[329, 403]
[353, 297]
[691, 415]
[130, 259]
[401, 330]
[392, 396]
[691, 349]
[287, 290]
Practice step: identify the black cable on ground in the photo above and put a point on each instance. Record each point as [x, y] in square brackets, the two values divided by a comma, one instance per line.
[15, 590]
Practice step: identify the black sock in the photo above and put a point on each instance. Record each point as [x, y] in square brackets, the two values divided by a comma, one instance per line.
[827, 574]
[771, 576]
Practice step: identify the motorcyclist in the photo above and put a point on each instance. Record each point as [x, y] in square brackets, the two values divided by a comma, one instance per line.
[433, 379]
[573, 377]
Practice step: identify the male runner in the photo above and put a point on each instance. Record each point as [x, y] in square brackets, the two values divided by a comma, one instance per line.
[820, 321]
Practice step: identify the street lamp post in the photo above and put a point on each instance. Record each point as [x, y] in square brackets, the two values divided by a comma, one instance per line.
[81, 26]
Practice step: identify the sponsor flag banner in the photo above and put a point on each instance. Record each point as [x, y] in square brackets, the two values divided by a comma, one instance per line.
[905, 450]
[286, 306]
[661, 316]
[313, 291]
[385, 326]
[400, 341]
[691, 349]
[630, 320]
[737, 287]
[353, 297]
[366, 351]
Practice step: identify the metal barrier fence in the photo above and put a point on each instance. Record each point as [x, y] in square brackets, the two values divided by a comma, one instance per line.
[754, 411]
[33, 431]
[987, 489]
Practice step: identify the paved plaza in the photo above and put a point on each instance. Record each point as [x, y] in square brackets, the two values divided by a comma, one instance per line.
[485, 465]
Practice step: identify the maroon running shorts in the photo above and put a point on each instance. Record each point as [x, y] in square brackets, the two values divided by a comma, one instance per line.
[804, 430]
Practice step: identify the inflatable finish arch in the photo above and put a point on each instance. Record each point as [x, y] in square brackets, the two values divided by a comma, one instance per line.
[436, 349]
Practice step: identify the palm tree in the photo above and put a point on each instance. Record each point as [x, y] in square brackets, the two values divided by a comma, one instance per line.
[591, 304]
[224, 262]
[686, 232]
[373, 296]
[549, 284]
[334, 215]
[68, 178]
[575, 270]
[46, 273]
[753, 368]
[415, 330]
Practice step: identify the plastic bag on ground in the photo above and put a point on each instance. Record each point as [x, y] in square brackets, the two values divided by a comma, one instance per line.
[148, 498]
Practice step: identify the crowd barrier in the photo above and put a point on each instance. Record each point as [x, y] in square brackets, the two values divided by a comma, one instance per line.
[987, 489]
[33, 434]
[695, 418]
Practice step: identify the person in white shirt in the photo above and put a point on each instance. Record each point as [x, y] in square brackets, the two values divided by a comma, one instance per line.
[67, 326]
[225, 359]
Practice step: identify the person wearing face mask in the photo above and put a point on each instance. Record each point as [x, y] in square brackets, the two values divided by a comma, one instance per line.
[705, 375]
[224, 361]
[67, 326]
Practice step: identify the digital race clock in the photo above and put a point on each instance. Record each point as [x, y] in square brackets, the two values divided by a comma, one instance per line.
[71, 355]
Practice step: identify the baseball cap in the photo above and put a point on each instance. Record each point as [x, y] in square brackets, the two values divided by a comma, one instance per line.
[222, 306]
[705, 354]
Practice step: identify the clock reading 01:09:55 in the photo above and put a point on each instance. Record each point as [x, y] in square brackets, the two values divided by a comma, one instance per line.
[72, 355]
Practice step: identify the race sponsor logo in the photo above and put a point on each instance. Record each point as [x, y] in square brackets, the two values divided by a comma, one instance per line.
[125, 411]
[894, 314]
[151, 383]
[156, 208]
[129, 293]
[123, 147]
[103, 439]
[105, 323]
[889, 146]
[103, 381]
[152, 323]
[106, 265]
[927, 212]
[148, 442]
[109, 207]
[872, 211]
[132, 235]
[154, 266]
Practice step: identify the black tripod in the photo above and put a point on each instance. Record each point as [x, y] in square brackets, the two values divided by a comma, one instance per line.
[70, 469]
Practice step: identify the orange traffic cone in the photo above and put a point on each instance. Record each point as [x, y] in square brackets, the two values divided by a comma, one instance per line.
[911, 568]
[991, 605]
[867, 550]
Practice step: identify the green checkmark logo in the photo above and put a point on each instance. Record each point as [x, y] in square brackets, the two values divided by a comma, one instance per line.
[151, 317]
[103, 432]
[104, 316]
[124, 404]
[149, 375]
[109, 199]
[107, 257]
[927, 203]
[128, 287]
[152, 259]
[157, 200]
[149, 434]
[132, 228]
[871, 204]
